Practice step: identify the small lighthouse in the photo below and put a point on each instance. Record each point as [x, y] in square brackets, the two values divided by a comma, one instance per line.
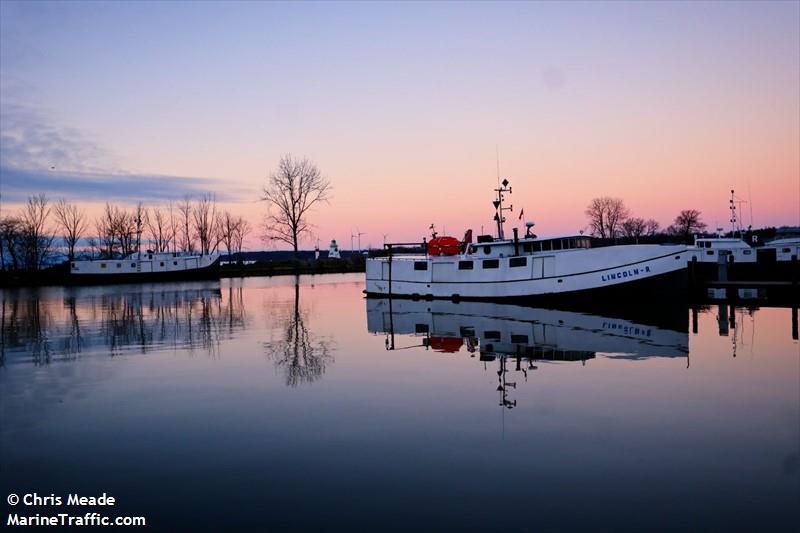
[333, 251]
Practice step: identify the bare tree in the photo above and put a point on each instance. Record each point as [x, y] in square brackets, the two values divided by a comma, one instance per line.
[185, 222]
[634, 228]
[117, 231]
[239, 235]
[139, 220]
[290, 192]
[204, 218]
[126, 226]
[34, 230]
[606, 216]
[173, 226]
[11, 242]
[227, 230]
[158, 229]
[72, 222]
[686, 224]
[93, 245]
[651, 227]
[105, 227]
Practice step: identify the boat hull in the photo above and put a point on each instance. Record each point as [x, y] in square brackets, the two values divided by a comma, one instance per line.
[613, 274]
[209, 272]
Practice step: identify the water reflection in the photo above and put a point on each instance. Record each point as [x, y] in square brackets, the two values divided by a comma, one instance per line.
[299, 354]
[61, 324]
[239, 385]
[516, 337]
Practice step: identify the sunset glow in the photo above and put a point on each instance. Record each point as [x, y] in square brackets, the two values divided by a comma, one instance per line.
[404, 107]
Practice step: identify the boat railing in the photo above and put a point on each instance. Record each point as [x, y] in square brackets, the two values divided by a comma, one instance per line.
[402, 249]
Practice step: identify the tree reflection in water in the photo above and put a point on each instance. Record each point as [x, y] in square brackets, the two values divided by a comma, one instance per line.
[297, 352]
[43, 329]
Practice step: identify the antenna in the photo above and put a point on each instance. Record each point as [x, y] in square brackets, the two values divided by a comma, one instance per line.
[497, 156]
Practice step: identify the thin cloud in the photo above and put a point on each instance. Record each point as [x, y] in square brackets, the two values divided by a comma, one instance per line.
[29, 140]
[18, 184]
[38, 156]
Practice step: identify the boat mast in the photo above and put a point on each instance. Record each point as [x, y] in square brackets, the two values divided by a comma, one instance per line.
[736, 225]
[498, 206]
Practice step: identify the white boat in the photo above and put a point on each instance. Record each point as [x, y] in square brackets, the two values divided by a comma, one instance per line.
[146, 267]
[526, 267]
[725, 249]
[710, 249]
[785, 248]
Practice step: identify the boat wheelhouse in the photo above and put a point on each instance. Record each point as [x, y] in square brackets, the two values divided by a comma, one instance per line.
[145, 267]
[710, 249]
[786, 249]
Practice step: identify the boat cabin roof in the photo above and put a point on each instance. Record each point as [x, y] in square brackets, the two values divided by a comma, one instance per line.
[536, 244]
[720, 242]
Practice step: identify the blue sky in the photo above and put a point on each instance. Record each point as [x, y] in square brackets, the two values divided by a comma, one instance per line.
[637, 100]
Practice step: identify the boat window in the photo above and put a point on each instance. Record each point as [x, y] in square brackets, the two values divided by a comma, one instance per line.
[421, 328]
[149, 256]
[709, 252]
[557, 244]
[547, 246]
[491, 335]
[573, 243]
[487, 250]
[420, 265]
[787, 250]
[747, 252]
[465, 265]
[527, 247]
[162, 263]
[102, 265]
[133, 265]
[491, 263]
[518, 261]
[537, 246]
[73, 265]
[519, 339]
[119, 265]
[175, 263]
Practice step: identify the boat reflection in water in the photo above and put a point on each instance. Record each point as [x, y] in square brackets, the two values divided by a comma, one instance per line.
[43, 327]
[518, 337]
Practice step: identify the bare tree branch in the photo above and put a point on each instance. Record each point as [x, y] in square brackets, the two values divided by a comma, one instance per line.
[290, 193]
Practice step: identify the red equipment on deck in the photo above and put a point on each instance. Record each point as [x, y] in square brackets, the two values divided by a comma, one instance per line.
[444, 246]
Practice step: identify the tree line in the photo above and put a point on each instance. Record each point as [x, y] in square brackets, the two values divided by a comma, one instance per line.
[610, 218]
[30, 237]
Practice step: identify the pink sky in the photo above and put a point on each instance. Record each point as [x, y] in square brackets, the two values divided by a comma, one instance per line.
[665, 105]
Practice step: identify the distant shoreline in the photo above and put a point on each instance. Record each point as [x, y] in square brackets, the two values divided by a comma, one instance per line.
[59, 275]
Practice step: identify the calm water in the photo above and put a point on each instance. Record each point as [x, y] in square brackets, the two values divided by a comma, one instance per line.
[259, 404]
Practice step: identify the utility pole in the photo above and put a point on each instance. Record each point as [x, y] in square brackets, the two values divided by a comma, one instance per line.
[359, 233]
